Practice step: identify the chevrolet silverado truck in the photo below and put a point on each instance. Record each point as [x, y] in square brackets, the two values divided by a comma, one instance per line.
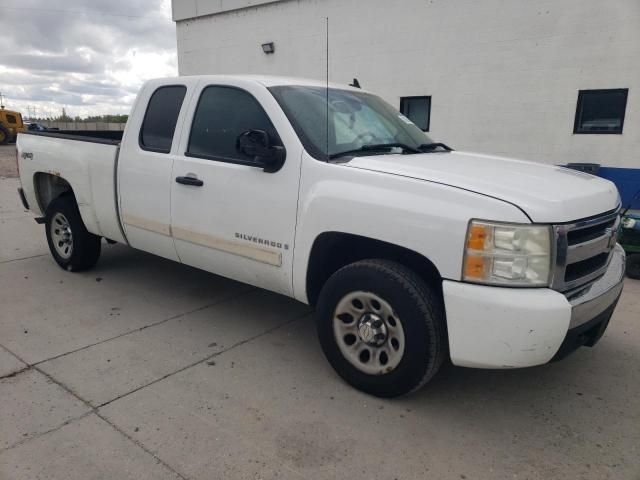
[411, 253]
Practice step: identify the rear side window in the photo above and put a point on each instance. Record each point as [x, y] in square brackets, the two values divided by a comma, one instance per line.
[160, 120]
[223, 113]
[11, 119]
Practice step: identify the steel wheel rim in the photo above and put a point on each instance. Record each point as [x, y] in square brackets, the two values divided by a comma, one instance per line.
[61, 236]
[368, 333]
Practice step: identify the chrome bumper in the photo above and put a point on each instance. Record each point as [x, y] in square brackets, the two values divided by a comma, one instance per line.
[601, 294]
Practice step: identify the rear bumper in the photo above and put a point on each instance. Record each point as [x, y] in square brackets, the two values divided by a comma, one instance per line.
[494, 327]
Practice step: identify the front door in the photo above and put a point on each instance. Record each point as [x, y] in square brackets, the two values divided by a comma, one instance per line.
[229, 216]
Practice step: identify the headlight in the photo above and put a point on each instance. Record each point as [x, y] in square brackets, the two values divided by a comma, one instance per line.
[507, 254]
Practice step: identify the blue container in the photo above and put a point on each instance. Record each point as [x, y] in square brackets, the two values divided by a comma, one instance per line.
[628, 182]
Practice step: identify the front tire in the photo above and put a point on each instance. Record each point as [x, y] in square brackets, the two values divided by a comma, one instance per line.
[382, 327]
[71, 245]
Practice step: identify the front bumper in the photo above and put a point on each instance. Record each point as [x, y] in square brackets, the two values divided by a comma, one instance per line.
[497, 327]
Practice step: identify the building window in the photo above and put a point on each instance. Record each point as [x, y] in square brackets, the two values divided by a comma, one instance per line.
[418, 110]
[601, 111]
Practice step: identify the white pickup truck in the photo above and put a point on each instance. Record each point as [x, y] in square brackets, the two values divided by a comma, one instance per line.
[412, 253]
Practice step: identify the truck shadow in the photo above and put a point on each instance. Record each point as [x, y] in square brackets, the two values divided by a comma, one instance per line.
[589, 381]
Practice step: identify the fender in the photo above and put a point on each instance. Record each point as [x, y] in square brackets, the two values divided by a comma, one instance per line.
[427, 218]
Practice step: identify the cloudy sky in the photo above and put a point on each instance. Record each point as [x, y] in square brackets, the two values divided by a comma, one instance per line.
[89, 57]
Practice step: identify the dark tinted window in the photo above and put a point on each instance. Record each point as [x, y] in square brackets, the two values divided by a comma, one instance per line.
[223, 113]
[161, 117]
[418, 110]
[600, 111]
[11, 118]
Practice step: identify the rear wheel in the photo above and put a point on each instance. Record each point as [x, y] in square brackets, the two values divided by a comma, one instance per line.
[4, 136]
[633, 266]
[381, 327]
[71, 245]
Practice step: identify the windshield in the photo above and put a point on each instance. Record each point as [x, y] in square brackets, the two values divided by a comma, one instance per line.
[356, 120]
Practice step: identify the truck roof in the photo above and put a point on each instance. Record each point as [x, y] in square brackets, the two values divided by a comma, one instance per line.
[264, 80]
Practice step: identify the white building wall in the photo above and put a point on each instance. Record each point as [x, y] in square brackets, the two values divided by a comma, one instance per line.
[504, 75]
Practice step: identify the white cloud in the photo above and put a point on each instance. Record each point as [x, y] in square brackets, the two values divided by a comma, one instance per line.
[89, 57]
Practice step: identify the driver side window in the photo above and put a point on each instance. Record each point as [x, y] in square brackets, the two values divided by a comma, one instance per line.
[222, 115]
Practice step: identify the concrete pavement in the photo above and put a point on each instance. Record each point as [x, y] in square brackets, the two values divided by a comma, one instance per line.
[143, 368]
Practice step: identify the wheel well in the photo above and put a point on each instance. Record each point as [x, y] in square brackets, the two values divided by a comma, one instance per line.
[334, 250]
[48, 187]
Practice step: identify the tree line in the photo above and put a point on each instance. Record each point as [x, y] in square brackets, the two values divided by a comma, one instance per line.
[64, 117]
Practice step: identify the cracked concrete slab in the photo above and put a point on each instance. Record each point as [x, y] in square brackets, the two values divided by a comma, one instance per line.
[86, 449]
[16, 222]
[9, 363]
[272, 408]
[31, 404]
[108, 370]
[58, 311]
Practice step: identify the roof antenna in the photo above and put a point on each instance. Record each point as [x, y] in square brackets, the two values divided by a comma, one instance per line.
[327, 132]
[355, 84]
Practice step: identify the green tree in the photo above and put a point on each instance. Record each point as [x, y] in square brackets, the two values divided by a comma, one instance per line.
[64, 117]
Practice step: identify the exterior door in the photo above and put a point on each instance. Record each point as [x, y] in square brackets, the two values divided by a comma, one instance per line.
[144, 173]
[228, 215]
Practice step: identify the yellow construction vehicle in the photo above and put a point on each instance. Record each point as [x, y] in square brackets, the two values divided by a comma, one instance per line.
[10, 125]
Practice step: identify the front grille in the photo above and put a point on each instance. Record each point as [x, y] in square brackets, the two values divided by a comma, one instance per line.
[583, 268]
[583, 250]
[589, 233]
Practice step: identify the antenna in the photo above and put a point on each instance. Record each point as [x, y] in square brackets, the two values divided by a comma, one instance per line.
[327, 132]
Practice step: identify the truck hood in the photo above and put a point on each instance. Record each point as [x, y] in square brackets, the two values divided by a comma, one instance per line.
[548, 194]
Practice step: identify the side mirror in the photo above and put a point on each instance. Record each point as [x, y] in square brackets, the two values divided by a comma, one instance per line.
[257, 144]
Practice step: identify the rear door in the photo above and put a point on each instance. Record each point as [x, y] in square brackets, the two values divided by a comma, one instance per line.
[145, 165]
[235, 219]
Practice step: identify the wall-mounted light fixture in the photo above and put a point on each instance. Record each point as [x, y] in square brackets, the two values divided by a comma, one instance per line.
[268, 48]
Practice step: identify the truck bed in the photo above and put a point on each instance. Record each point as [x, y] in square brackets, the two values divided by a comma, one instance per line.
[109, 137]
[87, 161]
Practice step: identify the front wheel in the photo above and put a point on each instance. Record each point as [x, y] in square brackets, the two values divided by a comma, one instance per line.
[71, 245]
[381, 327]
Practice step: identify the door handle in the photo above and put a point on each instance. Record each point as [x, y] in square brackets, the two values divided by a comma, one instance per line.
[192, 181]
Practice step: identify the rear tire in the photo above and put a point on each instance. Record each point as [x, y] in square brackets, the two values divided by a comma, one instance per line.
[383, 308]
[71, 245]
[633, 266]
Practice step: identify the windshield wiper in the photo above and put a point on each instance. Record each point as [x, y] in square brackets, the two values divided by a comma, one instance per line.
[430, 147]
[379, 147]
